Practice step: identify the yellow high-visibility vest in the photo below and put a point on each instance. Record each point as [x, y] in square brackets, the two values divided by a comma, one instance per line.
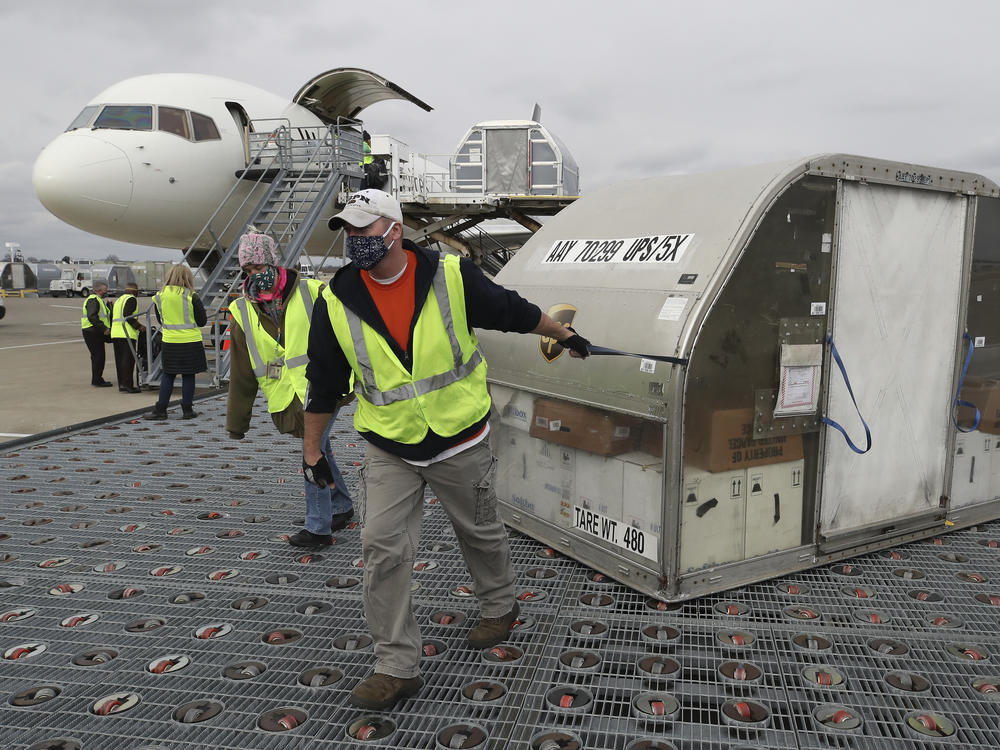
[119, 328]
[288, 361]
[177, 315]
[446, 390]
[104, 314]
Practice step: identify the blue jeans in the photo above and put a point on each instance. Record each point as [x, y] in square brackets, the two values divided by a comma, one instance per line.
[323, 504]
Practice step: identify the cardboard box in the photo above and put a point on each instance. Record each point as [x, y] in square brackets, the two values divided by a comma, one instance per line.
[713, 518]
[642, 491]
[599, 484]
[651, 440]
[985, 394]
[514, 407]
[535, 476]
[774, 508]
[974, 472]
[605, 433]
[721, 442]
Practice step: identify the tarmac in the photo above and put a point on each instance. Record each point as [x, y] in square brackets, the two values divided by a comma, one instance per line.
[45, 370]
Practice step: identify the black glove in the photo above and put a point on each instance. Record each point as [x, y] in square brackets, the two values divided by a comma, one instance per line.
[578, 344]
[318, 473]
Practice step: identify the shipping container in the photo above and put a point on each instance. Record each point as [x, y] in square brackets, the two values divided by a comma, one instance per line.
[761, 302]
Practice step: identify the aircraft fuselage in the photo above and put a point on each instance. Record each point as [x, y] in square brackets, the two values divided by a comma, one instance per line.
[150, 158]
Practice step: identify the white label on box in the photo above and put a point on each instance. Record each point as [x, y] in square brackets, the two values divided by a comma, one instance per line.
[555, 425]
[980, 342]
[541, 422]
[672, 308]
[621, 432]
[827, 242]
[817, 308]
[616, 532]
[647, 365]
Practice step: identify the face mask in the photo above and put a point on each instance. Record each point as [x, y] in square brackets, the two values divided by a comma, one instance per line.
[368, 252]
[263, 280]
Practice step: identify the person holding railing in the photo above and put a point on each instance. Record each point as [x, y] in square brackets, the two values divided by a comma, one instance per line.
[124, 326]
[269, 334]
[181, 314]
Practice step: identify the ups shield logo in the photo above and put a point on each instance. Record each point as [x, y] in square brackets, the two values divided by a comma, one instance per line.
[550, 348]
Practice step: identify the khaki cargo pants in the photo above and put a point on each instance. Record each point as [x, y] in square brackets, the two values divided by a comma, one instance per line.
[390, 504]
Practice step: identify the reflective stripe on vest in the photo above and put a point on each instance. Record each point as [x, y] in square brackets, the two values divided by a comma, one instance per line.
[103, 313]
[280, 391]
[411, 390]
[119, 327]
[444, 390]
[176, 315]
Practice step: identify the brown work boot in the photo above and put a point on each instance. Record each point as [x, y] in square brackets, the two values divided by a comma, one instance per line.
[493, 630]
[381, 691]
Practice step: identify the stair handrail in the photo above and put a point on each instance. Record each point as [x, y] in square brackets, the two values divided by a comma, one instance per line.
[241, 180]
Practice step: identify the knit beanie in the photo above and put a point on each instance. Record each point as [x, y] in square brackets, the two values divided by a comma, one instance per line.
[257, 248]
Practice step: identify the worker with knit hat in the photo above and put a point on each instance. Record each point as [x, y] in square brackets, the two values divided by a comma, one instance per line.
[269, 336]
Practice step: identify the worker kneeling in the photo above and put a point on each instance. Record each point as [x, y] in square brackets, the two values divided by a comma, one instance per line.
[400, 318]
[269, 335]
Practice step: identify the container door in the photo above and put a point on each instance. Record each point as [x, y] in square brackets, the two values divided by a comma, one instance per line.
[895, 324]
[507, 162]
[18, 270]
[975, 477]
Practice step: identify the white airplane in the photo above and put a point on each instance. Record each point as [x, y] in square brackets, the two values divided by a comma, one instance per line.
[149, 159]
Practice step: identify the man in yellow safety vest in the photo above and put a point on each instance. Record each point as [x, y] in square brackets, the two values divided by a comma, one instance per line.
[96, 324]
[401, 318]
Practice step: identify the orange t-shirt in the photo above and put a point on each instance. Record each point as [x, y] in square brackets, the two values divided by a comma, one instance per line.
[395, 301]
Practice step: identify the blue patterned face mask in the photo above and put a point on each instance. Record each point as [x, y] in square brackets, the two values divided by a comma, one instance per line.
[264, 280]
[368, 252]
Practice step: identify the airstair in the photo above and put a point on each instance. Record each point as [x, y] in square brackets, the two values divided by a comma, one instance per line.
[291, 176]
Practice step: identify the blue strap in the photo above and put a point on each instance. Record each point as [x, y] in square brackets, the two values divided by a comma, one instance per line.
[961, 382]
[847, 381]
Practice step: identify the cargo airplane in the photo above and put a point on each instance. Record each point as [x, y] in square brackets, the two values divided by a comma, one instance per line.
[149, 159]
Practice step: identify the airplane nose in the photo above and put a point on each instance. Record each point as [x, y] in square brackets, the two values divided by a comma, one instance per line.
[83, 180]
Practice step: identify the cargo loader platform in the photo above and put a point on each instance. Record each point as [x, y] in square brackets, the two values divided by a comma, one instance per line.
[149, 600]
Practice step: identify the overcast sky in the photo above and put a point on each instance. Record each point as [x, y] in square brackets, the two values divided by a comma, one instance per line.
[634, 89]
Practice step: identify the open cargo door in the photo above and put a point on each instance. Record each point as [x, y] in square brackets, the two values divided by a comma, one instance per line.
[345, 92]
[896, 313]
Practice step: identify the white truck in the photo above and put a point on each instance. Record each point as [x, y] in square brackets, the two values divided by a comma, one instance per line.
[72, 281]
[80, 280]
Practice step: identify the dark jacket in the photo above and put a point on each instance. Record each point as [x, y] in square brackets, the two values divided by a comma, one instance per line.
[243, 383]
[128, 309]
[186, 357]
[93, 309]
[487, 305]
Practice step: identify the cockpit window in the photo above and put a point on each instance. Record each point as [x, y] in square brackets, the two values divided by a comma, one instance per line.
[173, 120]
[83, 119]
[125, 117]
[204, 128]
